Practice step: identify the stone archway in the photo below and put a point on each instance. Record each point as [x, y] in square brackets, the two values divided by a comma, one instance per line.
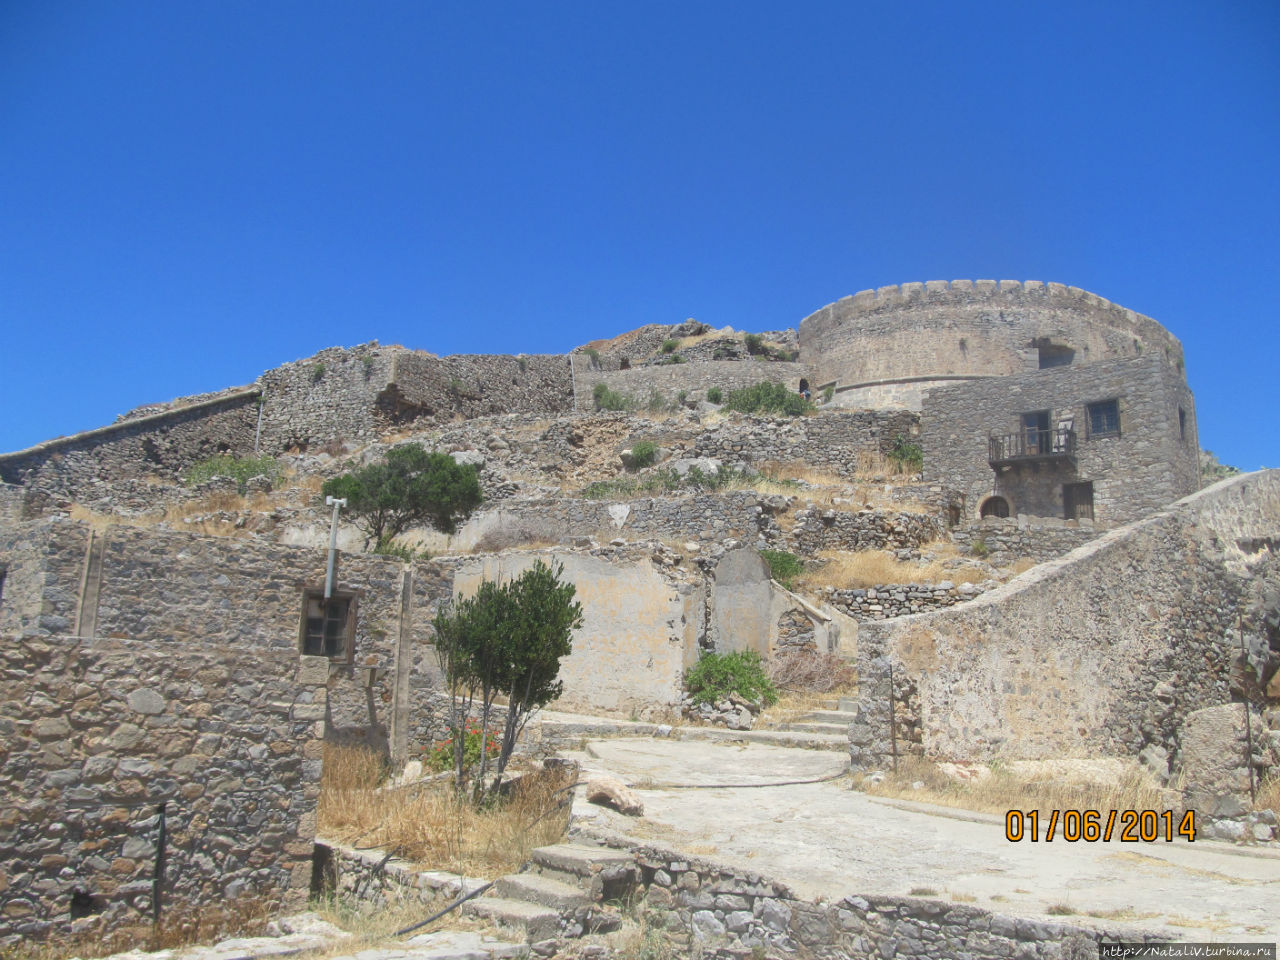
[993, 507]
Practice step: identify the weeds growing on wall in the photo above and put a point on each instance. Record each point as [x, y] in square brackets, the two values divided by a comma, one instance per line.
[606, 399]
[769, 397]
[906, 455]
[783, 567]
[670, 346]
[388, 547]
[718, 675]
[669, 481]
[240, 469]
[644, 453]
[714, 395]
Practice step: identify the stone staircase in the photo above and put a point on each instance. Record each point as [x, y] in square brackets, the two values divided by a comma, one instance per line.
[831, 723]
[569, 890]
[563, 731]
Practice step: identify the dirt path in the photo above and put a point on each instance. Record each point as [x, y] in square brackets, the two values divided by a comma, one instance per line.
[827, 841]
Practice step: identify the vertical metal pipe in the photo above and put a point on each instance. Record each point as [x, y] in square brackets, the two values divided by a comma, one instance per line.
[333, 544]
[157, 880]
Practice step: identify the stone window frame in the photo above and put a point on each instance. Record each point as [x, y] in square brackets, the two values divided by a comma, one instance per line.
[352, 600]
[1099, 407]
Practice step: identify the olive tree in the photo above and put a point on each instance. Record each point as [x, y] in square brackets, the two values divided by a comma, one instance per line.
[410, 486]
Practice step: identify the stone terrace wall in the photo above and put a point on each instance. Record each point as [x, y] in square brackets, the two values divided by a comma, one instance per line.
[969, 328]
[670, 379]
[889, 600]
[163, 442]
[98, 733]
[476, 385]
[45, 560]
[1006, 540]
[1106, 649]
[833, 440]
[817, 529]
[720, 908]
[1146, 467]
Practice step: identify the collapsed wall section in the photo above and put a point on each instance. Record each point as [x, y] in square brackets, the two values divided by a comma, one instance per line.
[101, 735]
[476, 385]
[668, 381]
[1106, 649]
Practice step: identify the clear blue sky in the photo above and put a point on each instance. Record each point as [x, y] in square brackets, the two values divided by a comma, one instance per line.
[193, 192]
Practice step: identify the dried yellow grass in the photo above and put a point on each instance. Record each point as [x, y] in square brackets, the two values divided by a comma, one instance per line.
[433, 825]
[1050, 787]
[846, 570]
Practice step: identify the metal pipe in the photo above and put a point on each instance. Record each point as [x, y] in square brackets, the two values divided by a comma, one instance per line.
[333, 544]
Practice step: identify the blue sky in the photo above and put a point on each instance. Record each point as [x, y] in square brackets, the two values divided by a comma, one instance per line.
[193, 192]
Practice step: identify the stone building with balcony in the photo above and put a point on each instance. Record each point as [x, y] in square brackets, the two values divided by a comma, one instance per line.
[1107, 442]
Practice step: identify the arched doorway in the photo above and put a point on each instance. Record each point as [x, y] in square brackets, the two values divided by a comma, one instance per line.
[994, 507]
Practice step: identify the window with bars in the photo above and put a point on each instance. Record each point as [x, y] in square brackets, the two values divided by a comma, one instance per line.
[328, 626]
[1104, 418]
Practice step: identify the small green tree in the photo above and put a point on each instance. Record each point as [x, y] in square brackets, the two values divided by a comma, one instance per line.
[410, 486]
[505, 640]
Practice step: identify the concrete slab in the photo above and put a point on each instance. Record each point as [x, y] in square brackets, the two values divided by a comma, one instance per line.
[827, 841]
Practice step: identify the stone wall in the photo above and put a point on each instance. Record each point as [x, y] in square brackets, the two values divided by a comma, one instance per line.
[477, 385]
[163, 442]
[670, 379]
[888, 600]
[1106, 649]
[817, 529]
[329, 396]
[1001, 541]
[833, 440]
[99, 733]
[1150, 463]
[980, 328]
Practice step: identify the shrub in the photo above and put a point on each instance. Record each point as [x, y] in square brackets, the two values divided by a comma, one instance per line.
[317, 372]
[783, 567]
[828, 393]
[768, 398]
[715, 396]
[606, 399]
[238, 468]
[718, 675]
[401, 551]
[906, 455]
[979, 549]
[755, 344]
[644, 453]
[593, 355]
[410, 486]
[669, 346]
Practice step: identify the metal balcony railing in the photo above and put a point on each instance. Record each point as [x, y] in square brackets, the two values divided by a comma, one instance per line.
[1031, 445]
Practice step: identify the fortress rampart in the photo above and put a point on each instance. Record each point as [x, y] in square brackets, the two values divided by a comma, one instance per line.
[893, 344]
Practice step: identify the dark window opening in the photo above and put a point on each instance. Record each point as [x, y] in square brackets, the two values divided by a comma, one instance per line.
[1182, 424]
[4, 572]
[1055, 355]
[328, 626]
[1077, 500]
[1104, 419]
[994, 507]
[624, 363]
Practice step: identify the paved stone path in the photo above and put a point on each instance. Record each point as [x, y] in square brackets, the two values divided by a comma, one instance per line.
[826, 840]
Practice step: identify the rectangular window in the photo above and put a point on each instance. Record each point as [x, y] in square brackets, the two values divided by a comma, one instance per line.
[1104, 419]
[4, 571]
[328, 626]
[1182, 424]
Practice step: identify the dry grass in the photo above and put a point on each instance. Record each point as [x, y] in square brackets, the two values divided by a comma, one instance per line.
[872, 568]
[183, 926]
[434, 825]
[805, 670]
[1044, 787]
[1021, 566]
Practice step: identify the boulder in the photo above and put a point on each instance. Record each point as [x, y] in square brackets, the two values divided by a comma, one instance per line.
[608, 792]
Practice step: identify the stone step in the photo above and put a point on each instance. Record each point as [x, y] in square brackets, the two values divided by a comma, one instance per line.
[847, 704]
[835, 729]
[543, 890]
[778, 738]
[580, 860]
[845, 717]
[535, 922]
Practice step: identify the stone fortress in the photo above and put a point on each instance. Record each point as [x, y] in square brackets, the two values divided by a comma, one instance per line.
[156, 630]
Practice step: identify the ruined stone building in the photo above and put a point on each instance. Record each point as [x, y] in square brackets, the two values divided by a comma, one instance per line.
[172, 644]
